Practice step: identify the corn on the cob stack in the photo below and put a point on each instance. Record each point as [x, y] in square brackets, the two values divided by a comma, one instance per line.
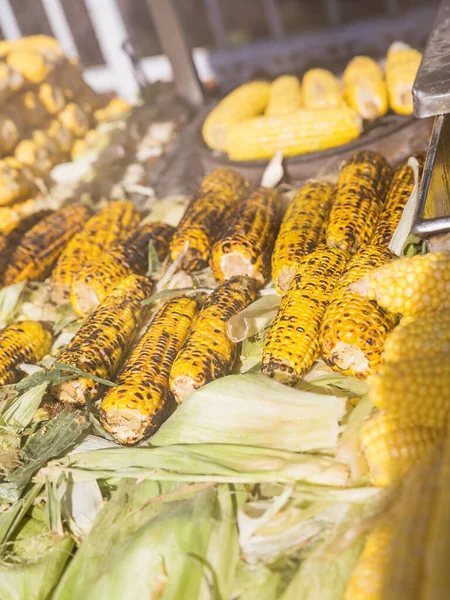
[74, 119]
[358, 199]
[354, 329]
[302, 229]
[364, 87]
[285, 96]
[321, 89]
[52, 98]
[295, 133]
[16, 182]
[402, 64]
[219, 194]
[31, 108]
[410, 286]
[98, 277]
[102, 341]
[245, 246]
[208, 353]
[140, 402]
[292, 343]
[21, 342]
[112, 224]
[244, 102]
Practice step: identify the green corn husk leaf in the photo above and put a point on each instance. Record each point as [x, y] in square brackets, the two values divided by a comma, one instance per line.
[81, 501]
[9, 302]
[153, 260]
[11, 518]
[19, 413]
[251, 355]
[349, 446]
[256, 582]
[254, 410]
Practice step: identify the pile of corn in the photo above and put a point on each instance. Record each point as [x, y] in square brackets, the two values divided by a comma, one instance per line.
[258, 118]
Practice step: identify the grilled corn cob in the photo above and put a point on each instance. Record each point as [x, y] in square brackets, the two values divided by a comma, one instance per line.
[354, 329]
[364, 87]
[52, 98]
[245, 246]
[285, 96]
[296, 133]
[292, 343]
[11, 215]
[321, 89]
[359, 196]
[98, 277]
[16, 182]
[31, 108]
[244, 102]
[21, 342]
[219, 194]
[208, 353]
[402, 64]
[74, 119]
[102, 341]
[141, 400]
[302, 228]
[110, 225]
[391, 448]
[42, 244]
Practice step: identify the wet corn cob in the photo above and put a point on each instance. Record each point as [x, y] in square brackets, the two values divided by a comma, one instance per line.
[295, 133]
[391, 448]
[52, 98]
[285, 96]
[110, 225]
[219, 194]
[321, 89]
[246, 244]
[74, 119]
[410, 286]
[364, 87]
[358, 199]
[31, 108]
[16, 182]
[102, 341]
[402, 64]
[301, 230]
[21, 342]
[208, 353]
[292, 343]
[141, 400]
[354, 329]
[246, 101]
[98, 277]
[41, 246]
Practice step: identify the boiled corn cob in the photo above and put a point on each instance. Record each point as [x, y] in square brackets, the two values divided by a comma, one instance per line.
[296, 133]
[246, 244]
[285, 96]
[411, 286]
[141, 400]
[52, 98]
[31, 108]
[402, 64]
[16, 182]
[358, 199]
[21, 342]
[321, 89]
[208, 353]
[292, 343]
[100, 344]
[219, 194]
[391, 448]
[244, 102]
[42, 244]
[112, 224]
[302, 228]
[364, 87]
[75, 119]
[98, 277]
[354, 329]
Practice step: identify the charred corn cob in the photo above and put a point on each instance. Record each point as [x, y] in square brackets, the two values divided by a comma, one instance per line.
[112, 224]
[31, 108]
[219, 194]
[16, 182]
[39, 153]
[292, 343]
[411, 286]
[354, 329]
[296, 133]
[402, 64]
[42, 244]
[61, 135]
[21, 342]
[11, 215]
[391, 448]
[141, 400]
[208, 353]
[245, 246]
[98, 277]
[285, 96]
[364, 87]
[102, 341]
[74, 119]
[321, 89]
[244, 102]
[302, 228]
[114, 109]
[52, 98]
[359, 196]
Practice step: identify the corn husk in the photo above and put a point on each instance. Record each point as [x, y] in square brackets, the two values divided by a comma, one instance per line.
[254, 318]
[403, 230]
[10, 297]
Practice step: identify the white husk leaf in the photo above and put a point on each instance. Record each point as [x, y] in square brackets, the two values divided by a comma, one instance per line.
[9, 302]
[403, 229]
[80, 504]
[273, 173]
[254, 317]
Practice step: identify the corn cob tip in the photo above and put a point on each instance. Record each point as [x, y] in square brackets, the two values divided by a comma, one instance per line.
[349, 357]
[129, 425]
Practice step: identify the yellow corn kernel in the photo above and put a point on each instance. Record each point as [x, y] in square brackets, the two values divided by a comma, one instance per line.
[364, 87]
[10, 216]
[75, 119]
[41, 153]
[285, 96]
[9, 134]
[33, 66]
[402, 64]
[11, 81]
[31, 108]
[16, 181]
[63, 137]
[321, 89]
[116, 108]
[52, 98]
